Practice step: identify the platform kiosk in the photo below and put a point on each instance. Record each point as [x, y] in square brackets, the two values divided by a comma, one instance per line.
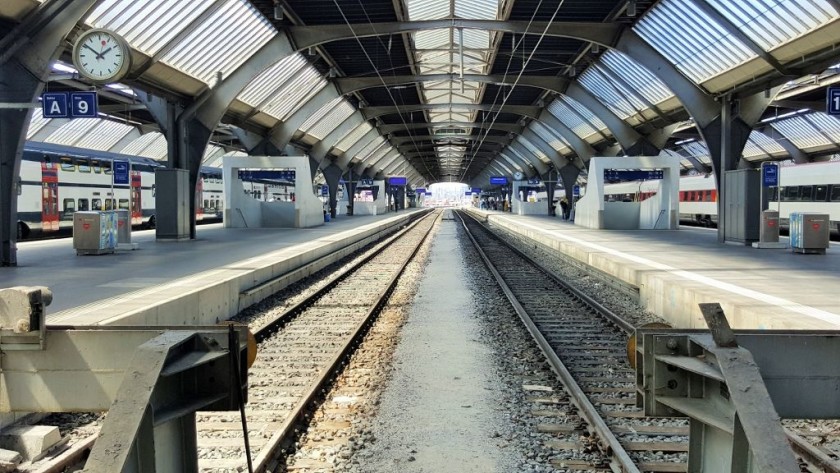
[244, 211]
[371, 198]
[656, 209]
[396, 192]
[519, 200]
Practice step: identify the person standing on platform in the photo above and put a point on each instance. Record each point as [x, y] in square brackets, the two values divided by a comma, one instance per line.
[564, 207]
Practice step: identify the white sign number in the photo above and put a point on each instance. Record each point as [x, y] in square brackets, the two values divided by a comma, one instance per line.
[83, 107]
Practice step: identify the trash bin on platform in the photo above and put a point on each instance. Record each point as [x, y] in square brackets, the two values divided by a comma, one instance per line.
[123, 227]
[809, 232]
[769, 232]
[94, 233]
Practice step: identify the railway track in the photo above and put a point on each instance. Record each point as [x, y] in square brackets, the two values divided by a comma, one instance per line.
[585, 344]
[302, 347]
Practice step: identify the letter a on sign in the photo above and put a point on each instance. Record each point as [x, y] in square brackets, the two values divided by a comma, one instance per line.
[55, 108]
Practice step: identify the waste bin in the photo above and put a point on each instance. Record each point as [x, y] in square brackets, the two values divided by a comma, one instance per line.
[769, 232]
[94, 233]
[123, 226]
[809, 232]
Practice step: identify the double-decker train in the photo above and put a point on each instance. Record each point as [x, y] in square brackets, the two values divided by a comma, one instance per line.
[56, 181]
[811, 187]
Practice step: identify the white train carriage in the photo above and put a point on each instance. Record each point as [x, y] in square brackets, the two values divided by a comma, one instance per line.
[56, 181]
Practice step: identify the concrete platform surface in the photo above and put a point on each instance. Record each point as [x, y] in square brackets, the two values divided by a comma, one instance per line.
[80, 280]
[677, 269]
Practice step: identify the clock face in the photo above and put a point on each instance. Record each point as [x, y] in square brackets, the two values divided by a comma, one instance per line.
[101, 55]
[518, 175]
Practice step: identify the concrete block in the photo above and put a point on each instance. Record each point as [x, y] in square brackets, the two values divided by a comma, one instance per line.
[9, 460]
[29, 440]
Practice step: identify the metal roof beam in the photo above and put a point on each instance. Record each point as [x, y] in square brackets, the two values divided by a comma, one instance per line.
[525, 110]
[349, 85]
[508, 127]
[401, 140]
[594, 32]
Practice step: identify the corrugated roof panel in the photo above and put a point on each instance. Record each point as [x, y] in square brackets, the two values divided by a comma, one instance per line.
[265, 84]
[427, 9]
[331, 120]
[698, 150]
[696, 44]
[830, 125]
[532, 148]
[320, 113]
[151, 145]
[801, 132]
[353, 136]
[72, 131]
[477, 9]
[370, 147]
[684, 163]
[432, 39]
[294, 95]
[643, 82]
[619, 101]
[104, 135]
[553, 140]
[760, 144]
[221, 43]
[771, 23]
[561, 110]
[36, 123]
[585, 113]
[147, 25]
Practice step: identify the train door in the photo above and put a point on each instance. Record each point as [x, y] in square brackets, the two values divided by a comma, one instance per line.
[49, 197]
[136, 199]
[199, 204]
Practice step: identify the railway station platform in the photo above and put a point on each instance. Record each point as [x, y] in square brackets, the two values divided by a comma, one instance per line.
[195, 282]
[676, 270]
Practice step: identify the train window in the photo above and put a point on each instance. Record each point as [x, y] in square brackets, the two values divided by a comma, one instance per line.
[123, 204]
[106, 167]
[805, 193]
[69, 205]
[97, 168]
[67, 165]
[835, 193]
[83, 205]
[206, 204]
[83, 165]
[791, 193]
[96, 204]
[708, 196]
[109, 204]
[820, 193]
[774, 193]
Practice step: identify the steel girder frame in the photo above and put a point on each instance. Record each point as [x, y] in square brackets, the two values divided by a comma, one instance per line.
[520, 163]
[517, 150]
[321, 149]
[374, 112]
[25, 56]
[344, 160]
[374, 155]
[349, 85]
[507, 127]
[557, 159]
[366, 166]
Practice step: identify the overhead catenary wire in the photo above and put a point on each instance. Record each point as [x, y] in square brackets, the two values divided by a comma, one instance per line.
[376, 70]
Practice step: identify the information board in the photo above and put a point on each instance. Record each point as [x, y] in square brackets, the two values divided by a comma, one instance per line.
[576, 191]
[770, 174]
[397, 181]
[833, 99]
[498, 181]
[618, 175]
[121, 173]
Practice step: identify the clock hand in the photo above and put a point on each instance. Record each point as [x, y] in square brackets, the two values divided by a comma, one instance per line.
[98, 56]
[102, 54]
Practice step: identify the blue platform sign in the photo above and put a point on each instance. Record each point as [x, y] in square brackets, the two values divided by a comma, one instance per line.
[325, 190]
[770, 175]
[617, 175]
[420, 190]
[55, 105]
[121, 173]
[833, 98]
[468, 193]
[534, 182]
[576, 191]
[498, 180]
[476, 190]
[83, 105]
[397, 181]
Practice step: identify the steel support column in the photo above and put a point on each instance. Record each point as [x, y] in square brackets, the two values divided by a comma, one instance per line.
[25, 56]
[569, 175]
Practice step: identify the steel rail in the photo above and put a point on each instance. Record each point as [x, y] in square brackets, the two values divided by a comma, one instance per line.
[621, 460]
[266, 459]
[800, 446]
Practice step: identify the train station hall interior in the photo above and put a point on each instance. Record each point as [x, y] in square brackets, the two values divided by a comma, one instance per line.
[419, 235]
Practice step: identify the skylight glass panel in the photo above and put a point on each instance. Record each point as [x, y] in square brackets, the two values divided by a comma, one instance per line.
[558, 143]
[696, 44]
[684, 163]
[151, 145]
[147, 25]
[72, 131]
[827, 124]
[104, 135]
[643, 82]
[353, 136]
[294, 95]
[428, 9]
[267, 83]
[697, 150]
[226, 39]
[36, 123]
[565, 114]
[331, 120]
[374, 144]
[533, 149]
[801, 132]
[432, 39]
[516, 163]
[585, 113]
[477, 9]
[771, 23]
[761, 144]
[608, 91]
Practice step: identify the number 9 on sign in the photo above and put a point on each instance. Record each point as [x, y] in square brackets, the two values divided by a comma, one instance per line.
[83, 105]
